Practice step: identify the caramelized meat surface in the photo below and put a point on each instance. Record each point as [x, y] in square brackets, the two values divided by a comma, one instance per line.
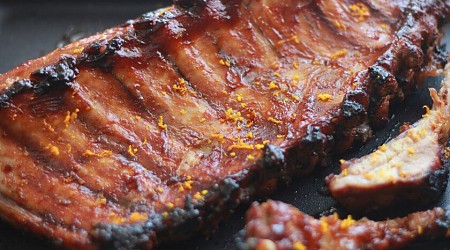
[156, 129]
[410, 168]
[276, 225]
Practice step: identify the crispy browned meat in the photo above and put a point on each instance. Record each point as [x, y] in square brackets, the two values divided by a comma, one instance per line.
[276, 225]
[154, 130]
[411, 168]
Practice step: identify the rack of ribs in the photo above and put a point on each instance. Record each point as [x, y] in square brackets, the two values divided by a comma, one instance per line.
[157, 129]
[276, 225]
[410, 169]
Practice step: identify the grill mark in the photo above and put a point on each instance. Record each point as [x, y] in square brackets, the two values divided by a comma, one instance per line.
[31, 187]
[360, 33]
[47, 143]
[259, 30]
[119, 130]
[186, 130]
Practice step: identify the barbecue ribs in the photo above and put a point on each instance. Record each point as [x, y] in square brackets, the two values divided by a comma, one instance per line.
[156, 129]
[412, 168]
[276, 225]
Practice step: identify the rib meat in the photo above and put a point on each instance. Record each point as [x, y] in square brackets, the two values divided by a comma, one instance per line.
[156, 129]
[409, 169]
[276, 225]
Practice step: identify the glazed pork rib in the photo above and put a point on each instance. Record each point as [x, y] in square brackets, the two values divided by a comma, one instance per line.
[276, 225]
[410, 169]
[156, 129]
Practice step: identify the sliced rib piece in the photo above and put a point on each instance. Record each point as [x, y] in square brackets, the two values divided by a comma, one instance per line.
[276, 225]
[157, 129]
[411, 168]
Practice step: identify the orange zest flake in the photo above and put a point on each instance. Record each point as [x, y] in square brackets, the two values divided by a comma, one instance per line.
[295, 64]
[203, 120]
[345, 172]
[427, 111]
[187, 184]
[338, 54]
[273, 120]
[295, 97]
[105, 153]
[299, 246]
[233, 116]
[419, 229]
[54, 150]
[232, 154]
[241, 145]
[339, 25]
[249, 135]
[70, 117]
[77, 50]
[272, 85]
[183, 112]
[341, 161]
[359, 10]
[239, 97]
[116, 219]
[368, 176]
[161, 123]
[348, 222]
[225, 62]
[181, 86]
[325, 97]
[293, 38]
[324, 226]
[276, 74]
[138, 217]
[244, 105]
[219, 137]
[132, 151]
[250, 157]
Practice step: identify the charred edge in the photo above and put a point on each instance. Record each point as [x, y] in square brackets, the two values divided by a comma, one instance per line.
[440, 55]
[16, 88]
[179, 224]
[151, 22]
[190, 5]
[313, 149]
[60, 75]
[437, 180]
[182, 223]
[100, 53]
[444, 221]
[314, 136]
[380, 75]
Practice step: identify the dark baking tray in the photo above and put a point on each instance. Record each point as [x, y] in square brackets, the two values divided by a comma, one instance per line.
[30, 29]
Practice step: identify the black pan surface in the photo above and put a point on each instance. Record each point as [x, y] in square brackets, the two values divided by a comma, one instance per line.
[30, 29]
